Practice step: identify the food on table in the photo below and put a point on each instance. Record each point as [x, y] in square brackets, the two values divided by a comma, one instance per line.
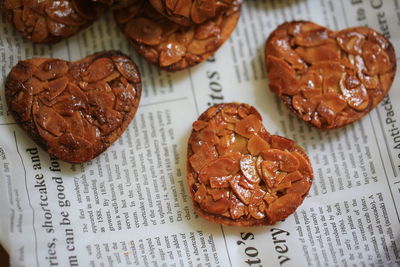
[329, 78]
[74, 110]
[47, 21]
[189, 12]
[169, 45]
[239, 174]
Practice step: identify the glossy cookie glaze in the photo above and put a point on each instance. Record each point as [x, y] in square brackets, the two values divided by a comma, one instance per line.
[189, 12]
[47, 21]
[74, 110]
[329, 78]
[239, 174]
[169, 45]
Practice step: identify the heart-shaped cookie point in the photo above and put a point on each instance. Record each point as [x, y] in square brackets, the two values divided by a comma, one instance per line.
[48, 21]
[74, 110]
[329, 78]
[239, 174]
[171, 46]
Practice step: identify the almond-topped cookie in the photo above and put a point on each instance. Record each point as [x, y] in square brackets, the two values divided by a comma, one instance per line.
[74, 110]
[189, 12]
[329, 78]
[239, 174]
[48, 21]
[169, 45]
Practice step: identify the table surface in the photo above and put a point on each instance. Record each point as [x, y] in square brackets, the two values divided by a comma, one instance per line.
[4, 259]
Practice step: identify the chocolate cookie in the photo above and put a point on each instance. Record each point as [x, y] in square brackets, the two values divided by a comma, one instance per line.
[74, 110]
[189, 12]
[169, 45]
[329, 78]
[239, 174]
[47, 21]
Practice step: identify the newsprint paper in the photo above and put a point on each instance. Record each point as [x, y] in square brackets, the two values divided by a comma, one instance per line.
[131, 205]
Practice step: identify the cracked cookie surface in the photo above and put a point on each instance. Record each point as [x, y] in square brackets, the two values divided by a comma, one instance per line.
[74, 110]
[329, 78]
[189, 12]
[239, 174]
[47, 21]
[169, 45]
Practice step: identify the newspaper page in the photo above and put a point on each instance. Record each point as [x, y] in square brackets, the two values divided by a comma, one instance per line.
[131, 205]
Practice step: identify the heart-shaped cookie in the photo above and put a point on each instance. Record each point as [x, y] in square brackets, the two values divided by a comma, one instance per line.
[189, 12]
[74, 110]
[169, 45]
[48, 21]
[239, 174]
[329, 78]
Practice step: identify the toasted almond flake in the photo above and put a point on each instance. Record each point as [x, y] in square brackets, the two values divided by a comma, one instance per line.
[301, 187]
[255, 212]
[248, 126]
[281, 142]
[218, 168]
[220, 181]
[287, 161]
[257, 144]
[248, 167]
[292, 177]
[283, 205]
[204, 155]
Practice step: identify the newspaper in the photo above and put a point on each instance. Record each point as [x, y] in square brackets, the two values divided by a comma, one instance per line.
[131, 205]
